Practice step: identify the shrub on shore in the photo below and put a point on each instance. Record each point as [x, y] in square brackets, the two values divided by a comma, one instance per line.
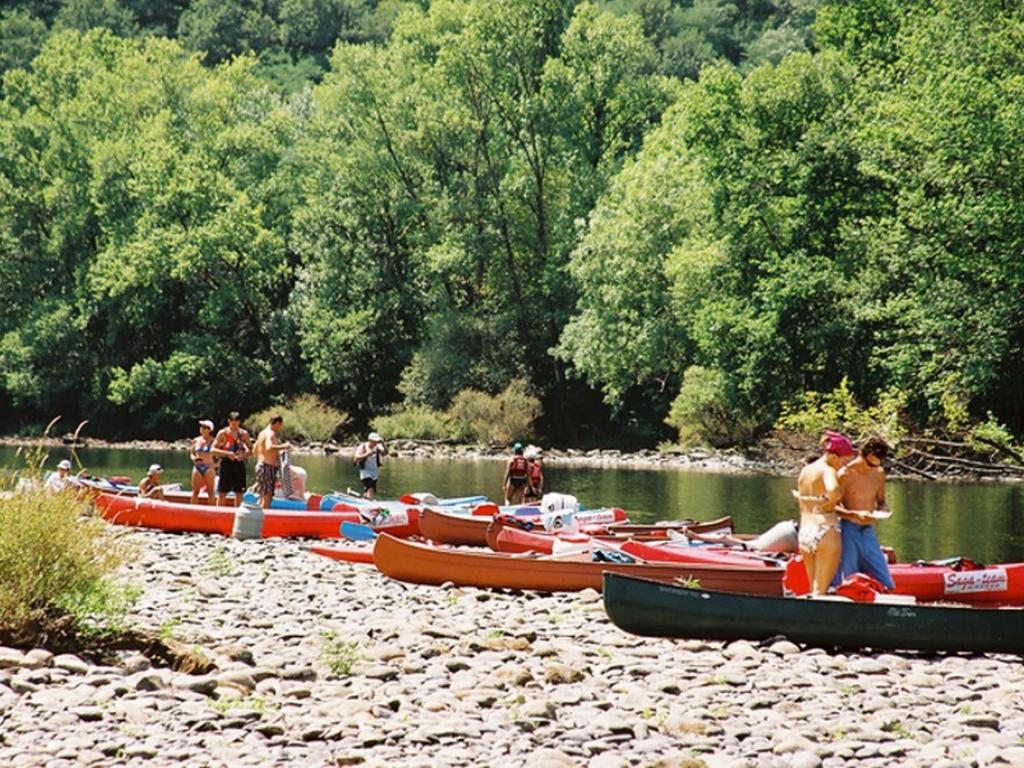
[502, 418]
[53, 557]
[306, 417]
[415, 422]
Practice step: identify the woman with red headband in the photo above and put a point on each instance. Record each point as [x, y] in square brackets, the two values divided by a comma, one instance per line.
[818, 494]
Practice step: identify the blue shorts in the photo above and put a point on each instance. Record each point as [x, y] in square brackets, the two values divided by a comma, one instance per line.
[861, 554]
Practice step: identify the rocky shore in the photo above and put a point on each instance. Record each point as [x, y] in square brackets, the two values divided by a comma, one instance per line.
[763, 459]
[323, 664]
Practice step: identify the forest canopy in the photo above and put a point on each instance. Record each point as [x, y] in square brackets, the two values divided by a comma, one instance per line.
[644, 210]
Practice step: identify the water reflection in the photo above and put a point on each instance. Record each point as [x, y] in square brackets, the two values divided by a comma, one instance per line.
[981, 520]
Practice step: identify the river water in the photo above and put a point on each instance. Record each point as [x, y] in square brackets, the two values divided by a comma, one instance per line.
[930, 520]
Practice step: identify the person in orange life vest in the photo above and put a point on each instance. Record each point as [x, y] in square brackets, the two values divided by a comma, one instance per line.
[517, 476]
[236, 444]
[535, 488]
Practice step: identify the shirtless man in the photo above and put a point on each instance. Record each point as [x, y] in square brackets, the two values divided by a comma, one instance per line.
[818, 494]
[862, 483]
[268, 455]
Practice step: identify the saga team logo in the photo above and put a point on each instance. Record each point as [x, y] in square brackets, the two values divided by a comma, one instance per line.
[984, 580]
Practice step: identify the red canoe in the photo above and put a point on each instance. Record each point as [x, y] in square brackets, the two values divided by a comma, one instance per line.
[709, 555]
[1001, 584]
[424, 564]
[170, 516]
[505, 535]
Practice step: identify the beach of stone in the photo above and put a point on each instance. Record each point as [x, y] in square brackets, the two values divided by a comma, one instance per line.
[322, 663]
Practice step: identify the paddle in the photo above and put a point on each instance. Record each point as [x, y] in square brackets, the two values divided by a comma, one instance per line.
[357, 532]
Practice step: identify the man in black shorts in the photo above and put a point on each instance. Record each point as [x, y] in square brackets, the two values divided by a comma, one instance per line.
[237, 445]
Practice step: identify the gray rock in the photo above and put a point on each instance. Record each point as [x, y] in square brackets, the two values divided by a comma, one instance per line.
[71, 663]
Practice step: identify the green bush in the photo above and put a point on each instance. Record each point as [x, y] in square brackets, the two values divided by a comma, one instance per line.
[478, 417]
[52, 556]
[704, 414]
[415, 422]
[306, 417]
[814, 412]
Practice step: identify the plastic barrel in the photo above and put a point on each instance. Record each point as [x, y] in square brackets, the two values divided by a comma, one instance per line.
[248, 522]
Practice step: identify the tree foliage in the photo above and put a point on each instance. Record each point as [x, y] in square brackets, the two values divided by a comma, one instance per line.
[693, 209]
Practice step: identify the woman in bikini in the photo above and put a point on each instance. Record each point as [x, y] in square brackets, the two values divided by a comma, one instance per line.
[818, 494]
[204, 473]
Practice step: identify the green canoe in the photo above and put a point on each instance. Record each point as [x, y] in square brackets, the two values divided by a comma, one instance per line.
[656, 609]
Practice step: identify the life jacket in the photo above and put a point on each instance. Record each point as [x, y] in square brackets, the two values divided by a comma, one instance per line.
[862, 588]
[518, 467]
[534, 471]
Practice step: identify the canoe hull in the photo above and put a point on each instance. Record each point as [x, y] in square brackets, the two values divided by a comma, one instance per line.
[422, 564]
[648, 608]
[181, 518]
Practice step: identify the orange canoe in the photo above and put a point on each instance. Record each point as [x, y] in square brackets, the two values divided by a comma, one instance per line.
[449, 528]
[346, 554]
[169, 516]
[424, 564]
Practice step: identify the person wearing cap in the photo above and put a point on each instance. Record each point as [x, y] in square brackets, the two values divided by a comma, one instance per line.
[517, 476]
[149, 486]
[862, 484]
[818, 494]
[535, 488]
[59, 480]
[236, 444]
[268, 449]
[204, 463]
[368, 459]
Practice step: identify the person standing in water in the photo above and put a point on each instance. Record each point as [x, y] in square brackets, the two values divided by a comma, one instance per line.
[517, 476]
[236, 444]
[369, 456]
[862, 484]
[818, 494]
[535, 488]
[268, 459]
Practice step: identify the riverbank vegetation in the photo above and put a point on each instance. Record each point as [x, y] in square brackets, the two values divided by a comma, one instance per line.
[716, 214]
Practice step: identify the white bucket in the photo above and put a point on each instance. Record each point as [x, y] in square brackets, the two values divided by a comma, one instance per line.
[248, 522]
[559, 502]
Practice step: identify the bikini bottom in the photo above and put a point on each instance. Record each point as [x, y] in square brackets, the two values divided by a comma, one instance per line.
[811, 535]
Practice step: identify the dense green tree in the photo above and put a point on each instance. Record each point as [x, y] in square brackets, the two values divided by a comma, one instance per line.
[21, 38]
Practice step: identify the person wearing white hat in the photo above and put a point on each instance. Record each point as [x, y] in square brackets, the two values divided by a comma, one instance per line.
[149, 486]
[59, 480]
[204, 463]
[368, 459]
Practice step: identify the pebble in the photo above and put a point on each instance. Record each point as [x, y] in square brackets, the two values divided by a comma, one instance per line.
[424, 677]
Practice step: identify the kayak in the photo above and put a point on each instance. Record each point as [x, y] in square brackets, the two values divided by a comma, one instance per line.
[653, 609]
[425, 564]
[956, 580]
[171, 516]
